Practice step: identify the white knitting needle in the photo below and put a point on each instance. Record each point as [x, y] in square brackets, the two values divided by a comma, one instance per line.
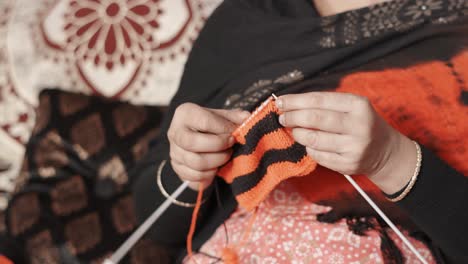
[131, 241]
[385, 218]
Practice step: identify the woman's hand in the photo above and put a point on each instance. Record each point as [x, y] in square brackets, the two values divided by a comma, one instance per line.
[344, 133]
[200, 141]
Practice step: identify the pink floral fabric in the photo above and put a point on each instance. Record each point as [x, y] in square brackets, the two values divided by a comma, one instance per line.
[286, 230]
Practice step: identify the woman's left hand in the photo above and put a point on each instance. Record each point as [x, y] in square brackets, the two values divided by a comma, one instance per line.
[344, 133]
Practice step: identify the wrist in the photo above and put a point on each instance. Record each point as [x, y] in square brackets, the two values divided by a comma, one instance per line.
[190, 194]
[399, 167]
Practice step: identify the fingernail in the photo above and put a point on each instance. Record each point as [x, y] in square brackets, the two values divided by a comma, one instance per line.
[281, 119]
[279, 103]
[231, 140]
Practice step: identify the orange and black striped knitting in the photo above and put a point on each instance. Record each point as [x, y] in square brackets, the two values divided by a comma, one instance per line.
[265, 155]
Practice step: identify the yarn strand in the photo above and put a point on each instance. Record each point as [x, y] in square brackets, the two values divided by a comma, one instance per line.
[193, 224]
[385, 218]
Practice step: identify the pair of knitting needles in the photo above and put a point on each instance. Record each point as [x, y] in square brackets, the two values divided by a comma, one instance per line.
[137, 234]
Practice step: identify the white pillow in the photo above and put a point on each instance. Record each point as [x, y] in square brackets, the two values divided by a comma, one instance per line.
[117, 48]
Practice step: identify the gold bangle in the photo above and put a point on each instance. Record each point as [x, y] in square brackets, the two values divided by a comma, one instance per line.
[413, 179]
[164, 192]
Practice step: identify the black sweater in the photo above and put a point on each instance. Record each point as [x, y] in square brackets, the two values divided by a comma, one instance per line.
[275, 37]
[245, 41]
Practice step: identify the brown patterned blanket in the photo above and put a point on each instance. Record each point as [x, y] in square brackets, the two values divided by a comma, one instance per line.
[72, 201]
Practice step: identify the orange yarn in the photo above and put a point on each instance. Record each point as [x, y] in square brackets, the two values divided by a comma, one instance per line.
[279, 139]
[254, 173]
[276, 138]
[229, 256]
[193, 224]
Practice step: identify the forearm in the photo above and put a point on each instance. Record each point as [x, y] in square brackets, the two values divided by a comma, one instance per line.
[438, 204]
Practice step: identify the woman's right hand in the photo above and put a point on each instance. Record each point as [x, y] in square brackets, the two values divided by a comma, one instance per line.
[201, 141]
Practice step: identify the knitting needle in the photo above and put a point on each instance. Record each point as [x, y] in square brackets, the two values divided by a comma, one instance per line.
[135, 237]
[131, 241]
[385, 218]
[379, 212]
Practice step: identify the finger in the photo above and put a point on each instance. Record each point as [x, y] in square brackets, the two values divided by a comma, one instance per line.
[188, 174]
[196, 185]
[335, 101]
[236, 116]
[327, 159]
[204, 120]
[195, 141]
[176, 153]
[201, 162]
[325, 120]
[321, 141]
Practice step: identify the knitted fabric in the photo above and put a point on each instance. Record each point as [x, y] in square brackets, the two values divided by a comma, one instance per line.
[427, 102]
[5, 260]
[265, 155]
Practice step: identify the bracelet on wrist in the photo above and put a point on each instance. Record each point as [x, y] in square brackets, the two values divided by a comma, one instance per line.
[409, 186]
[165, 193]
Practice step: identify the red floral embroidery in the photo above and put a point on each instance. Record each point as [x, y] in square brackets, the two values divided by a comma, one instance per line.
[112, 47]
[111, 31]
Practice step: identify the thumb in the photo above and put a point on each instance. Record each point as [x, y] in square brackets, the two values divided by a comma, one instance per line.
[236, 116]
